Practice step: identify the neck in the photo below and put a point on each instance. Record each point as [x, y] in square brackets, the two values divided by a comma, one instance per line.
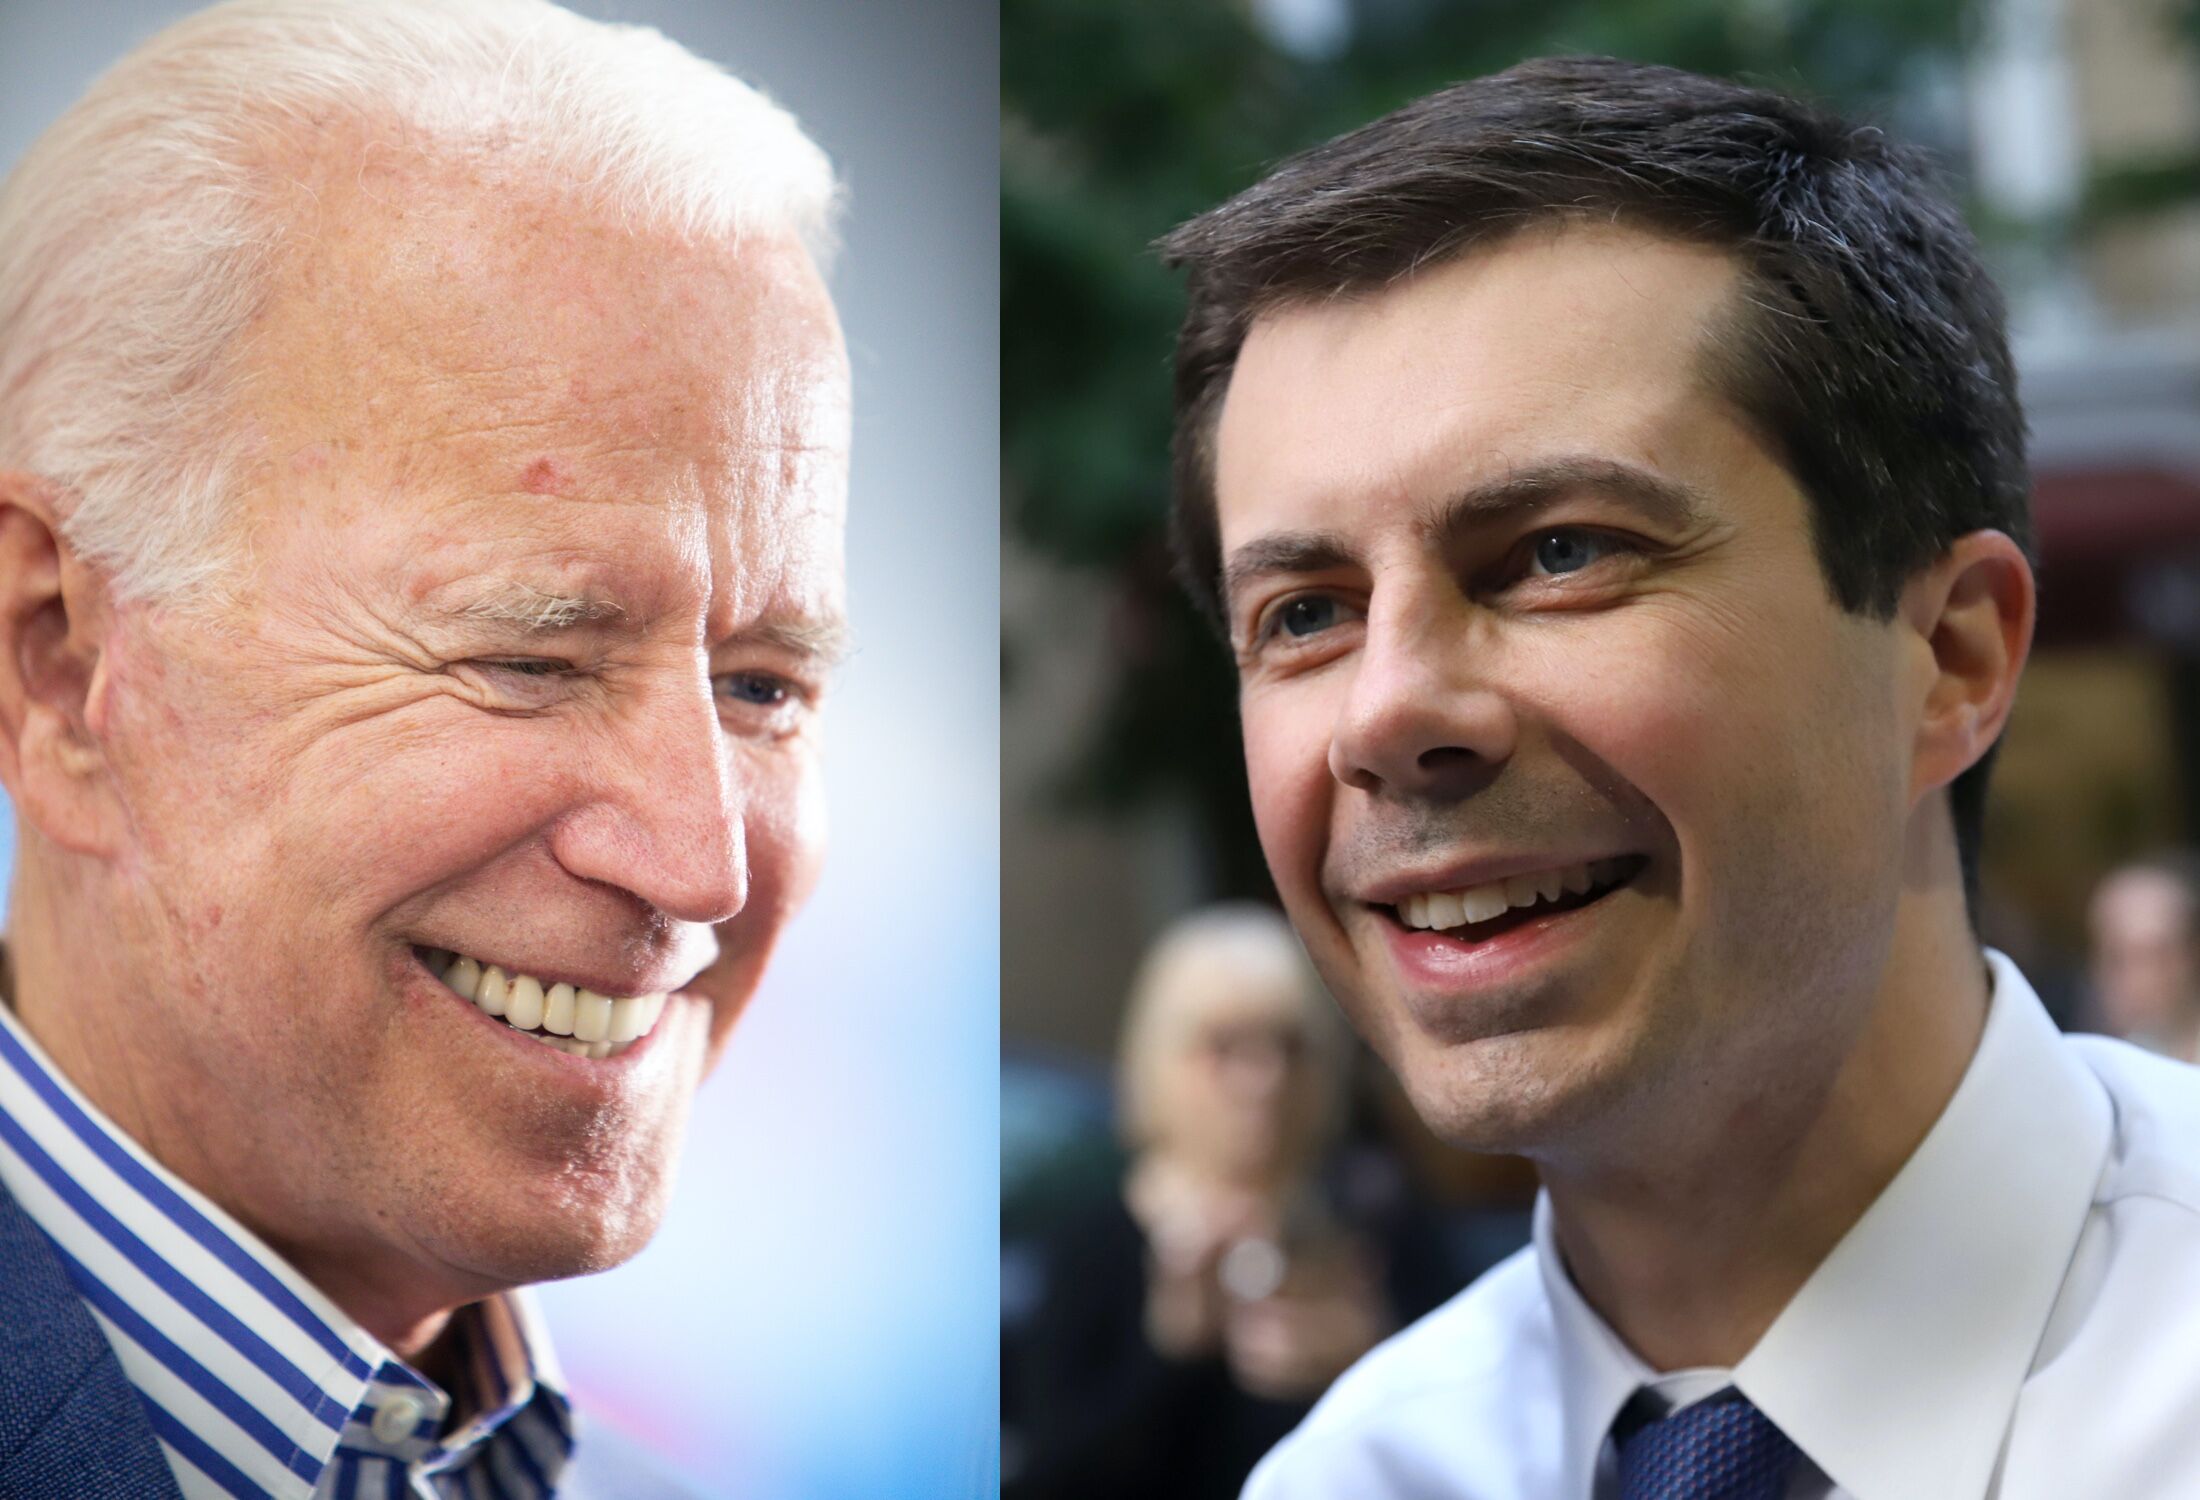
[413, 1327]
[1691, 1250]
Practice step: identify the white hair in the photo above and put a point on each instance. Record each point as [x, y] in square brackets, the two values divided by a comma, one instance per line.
[137, 234]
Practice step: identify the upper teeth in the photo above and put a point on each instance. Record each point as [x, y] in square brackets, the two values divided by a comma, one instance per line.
[1479, 903]
[584, 1023]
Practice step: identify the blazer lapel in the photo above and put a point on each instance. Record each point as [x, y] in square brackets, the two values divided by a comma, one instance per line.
[71, 1424]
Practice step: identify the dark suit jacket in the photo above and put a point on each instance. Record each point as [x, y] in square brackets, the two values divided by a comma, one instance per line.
[72, 1428]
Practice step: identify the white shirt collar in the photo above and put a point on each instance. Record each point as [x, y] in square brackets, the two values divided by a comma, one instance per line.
[1897, 1365]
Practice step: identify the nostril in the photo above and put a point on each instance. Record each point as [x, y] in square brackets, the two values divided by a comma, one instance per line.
[1447, 758]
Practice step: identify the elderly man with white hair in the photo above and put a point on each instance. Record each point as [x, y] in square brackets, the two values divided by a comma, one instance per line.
[423, 438]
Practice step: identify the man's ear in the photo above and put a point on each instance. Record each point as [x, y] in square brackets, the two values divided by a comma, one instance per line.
[53, 620]
[1972, 612]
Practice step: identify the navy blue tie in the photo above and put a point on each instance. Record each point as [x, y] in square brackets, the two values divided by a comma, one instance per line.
[1720, 1449]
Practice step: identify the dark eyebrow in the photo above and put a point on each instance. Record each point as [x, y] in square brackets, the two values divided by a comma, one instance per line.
[1284, 552]
[1665, 502]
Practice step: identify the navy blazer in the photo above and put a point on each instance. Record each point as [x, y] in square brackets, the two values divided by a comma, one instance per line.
[72, 1427]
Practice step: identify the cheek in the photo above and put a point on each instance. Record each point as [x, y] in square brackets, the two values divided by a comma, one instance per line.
[783, 829]
[789, 831]
[177, 739]
[1674, 727]
[1287, 770]
[784, 832]
[1184, 1100]
[1306, 1104]
[1767, 749]
[392, 813]
[189, 764]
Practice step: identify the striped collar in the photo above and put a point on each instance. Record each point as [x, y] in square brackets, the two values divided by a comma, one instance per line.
[255, 1384]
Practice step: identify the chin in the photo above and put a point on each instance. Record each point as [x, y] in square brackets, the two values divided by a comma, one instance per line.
[530, 1218]
[570, 1228]
[577, 1248]
[1522, 1094]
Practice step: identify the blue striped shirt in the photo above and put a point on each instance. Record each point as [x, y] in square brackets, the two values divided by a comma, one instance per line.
[254, 1382]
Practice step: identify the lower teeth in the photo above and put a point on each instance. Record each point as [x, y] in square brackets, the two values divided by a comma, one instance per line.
[575, 1048]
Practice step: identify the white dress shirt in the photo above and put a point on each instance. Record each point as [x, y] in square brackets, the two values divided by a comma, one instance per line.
[2016, 1317]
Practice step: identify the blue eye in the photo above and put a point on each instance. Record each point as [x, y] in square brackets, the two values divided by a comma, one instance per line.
[758, 689]
[1559, 552]
[1309, 615]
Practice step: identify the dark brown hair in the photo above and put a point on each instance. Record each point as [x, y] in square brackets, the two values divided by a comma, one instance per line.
[1867, 349]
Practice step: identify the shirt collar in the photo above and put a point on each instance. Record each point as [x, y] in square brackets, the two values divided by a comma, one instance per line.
[1896, 1366]
[1597, 1373]
[249, 1372]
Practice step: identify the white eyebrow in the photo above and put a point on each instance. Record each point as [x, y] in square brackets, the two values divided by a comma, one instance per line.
[829, 642]
[825, 640]
[510, 603]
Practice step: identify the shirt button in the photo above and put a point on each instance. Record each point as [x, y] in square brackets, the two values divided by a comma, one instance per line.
[396, 1418]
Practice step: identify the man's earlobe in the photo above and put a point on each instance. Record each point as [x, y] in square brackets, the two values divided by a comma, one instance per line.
[51, 624]
[1973, 612]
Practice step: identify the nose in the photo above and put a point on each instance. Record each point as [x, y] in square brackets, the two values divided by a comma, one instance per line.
[1419, 719]
[1258, 1072]
[666, 818]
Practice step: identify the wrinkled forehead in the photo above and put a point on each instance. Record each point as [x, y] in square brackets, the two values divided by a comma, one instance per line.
[478, 293]
[487, 357]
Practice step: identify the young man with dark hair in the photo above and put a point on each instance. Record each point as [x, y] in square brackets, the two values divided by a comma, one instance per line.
[1611, 484]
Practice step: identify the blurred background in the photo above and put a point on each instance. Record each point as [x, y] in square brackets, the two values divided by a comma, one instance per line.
[2071, 129]
[814, 1317]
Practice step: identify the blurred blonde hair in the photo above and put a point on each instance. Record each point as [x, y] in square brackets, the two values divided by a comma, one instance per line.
[1210, 956]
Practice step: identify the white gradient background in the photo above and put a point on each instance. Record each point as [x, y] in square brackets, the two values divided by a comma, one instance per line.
[817, 1317]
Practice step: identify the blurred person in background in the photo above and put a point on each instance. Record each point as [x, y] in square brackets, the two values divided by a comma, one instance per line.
[423, 442]
[2146, 954]
[1610, 483]
[1190, 1318]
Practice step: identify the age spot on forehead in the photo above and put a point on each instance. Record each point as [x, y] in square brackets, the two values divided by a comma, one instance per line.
[543, 477]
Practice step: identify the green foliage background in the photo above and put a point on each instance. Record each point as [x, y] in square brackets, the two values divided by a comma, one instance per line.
[1120, 118]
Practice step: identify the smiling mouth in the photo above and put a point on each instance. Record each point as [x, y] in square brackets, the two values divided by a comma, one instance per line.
[578, 1022]
[1475, 914]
